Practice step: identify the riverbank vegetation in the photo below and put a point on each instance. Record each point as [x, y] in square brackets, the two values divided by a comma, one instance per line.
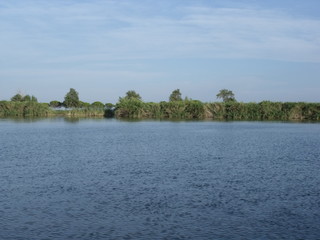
[132, 106]
[24, 109]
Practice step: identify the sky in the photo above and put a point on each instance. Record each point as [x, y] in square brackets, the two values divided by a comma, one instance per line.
[261, 50]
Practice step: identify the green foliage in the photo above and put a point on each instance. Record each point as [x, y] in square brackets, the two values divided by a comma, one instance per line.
[109, 106]
[226, 95]
[271, 110]
[55, 104]
[34, 99]
[84, 104]
[24, 109]
[194, 109]
[129, 108]
[265, 110]
[132, 95]
[214, 110]
[97, 105]
[26, 98]
[29, 98]
[190, 109]
[17, 98]
[232, 110]
[71, 100]
[229, 110]
[151, 110]
[172, 110]
[20, 98]
[175, 96]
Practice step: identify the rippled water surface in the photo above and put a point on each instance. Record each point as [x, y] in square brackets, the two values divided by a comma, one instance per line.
[107, 179]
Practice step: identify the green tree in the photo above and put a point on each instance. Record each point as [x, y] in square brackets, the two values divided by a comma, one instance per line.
[34, 99]
[175, 96]
[132, 95]
[97, 105]
[26, 98]
[55, 104]
[129, 108]
[71, 99]
[109, 106]
[84, 104]
[17, 98]
[226, 95]
[29, 98]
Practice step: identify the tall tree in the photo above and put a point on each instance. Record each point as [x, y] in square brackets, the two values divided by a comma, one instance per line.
[71, 99]
[175, 96]
[34, 99]
[26, 98]
[17, 98]
[226, 95]
[29, 98]
[132, 95]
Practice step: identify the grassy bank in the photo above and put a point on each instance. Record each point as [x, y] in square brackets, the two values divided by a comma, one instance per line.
[187, 109]
[193, 109]
[24, 109]
[265, 110]
[35, 109]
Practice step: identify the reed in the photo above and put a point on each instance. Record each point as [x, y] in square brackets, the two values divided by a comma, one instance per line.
[24, 109]
[192, 109]
[184, 109]
[133, 108]
[265, 110]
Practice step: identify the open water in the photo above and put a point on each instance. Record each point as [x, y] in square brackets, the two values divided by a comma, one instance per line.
[109, 179]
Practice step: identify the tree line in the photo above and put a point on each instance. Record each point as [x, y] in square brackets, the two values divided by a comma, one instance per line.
[132, 106]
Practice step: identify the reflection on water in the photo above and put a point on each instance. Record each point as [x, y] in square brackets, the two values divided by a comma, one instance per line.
[72, 119]
[109, 179]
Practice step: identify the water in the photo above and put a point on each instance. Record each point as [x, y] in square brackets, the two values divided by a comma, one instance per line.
[108, 179]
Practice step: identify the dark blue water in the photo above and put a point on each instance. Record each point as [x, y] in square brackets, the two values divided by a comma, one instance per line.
[107, 179]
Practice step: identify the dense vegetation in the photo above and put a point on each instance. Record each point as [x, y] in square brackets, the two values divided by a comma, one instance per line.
[193, 109]
[24, 109]
[229, 109]
[265, 110]
[132, 106]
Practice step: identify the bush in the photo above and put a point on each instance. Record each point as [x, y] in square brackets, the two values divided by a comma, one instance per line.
[24, 109]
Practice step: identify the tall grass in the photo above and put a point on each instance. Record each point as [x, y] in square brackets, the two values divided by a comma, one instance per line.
[24, 109]
[265, 110]
[187, 109]
[192, 109]
[133, 108]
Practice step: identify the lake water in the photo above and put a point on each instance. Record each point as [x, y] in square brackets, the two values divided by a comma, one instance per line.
[109, 179]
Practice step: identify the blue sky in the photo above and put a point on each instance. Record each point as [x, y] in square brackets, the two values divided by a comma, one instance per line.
[261, 50]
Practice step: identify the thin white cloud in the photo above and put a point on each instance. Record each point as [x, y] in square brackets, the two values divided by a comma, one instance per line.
[109, 28]
[124, 43]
